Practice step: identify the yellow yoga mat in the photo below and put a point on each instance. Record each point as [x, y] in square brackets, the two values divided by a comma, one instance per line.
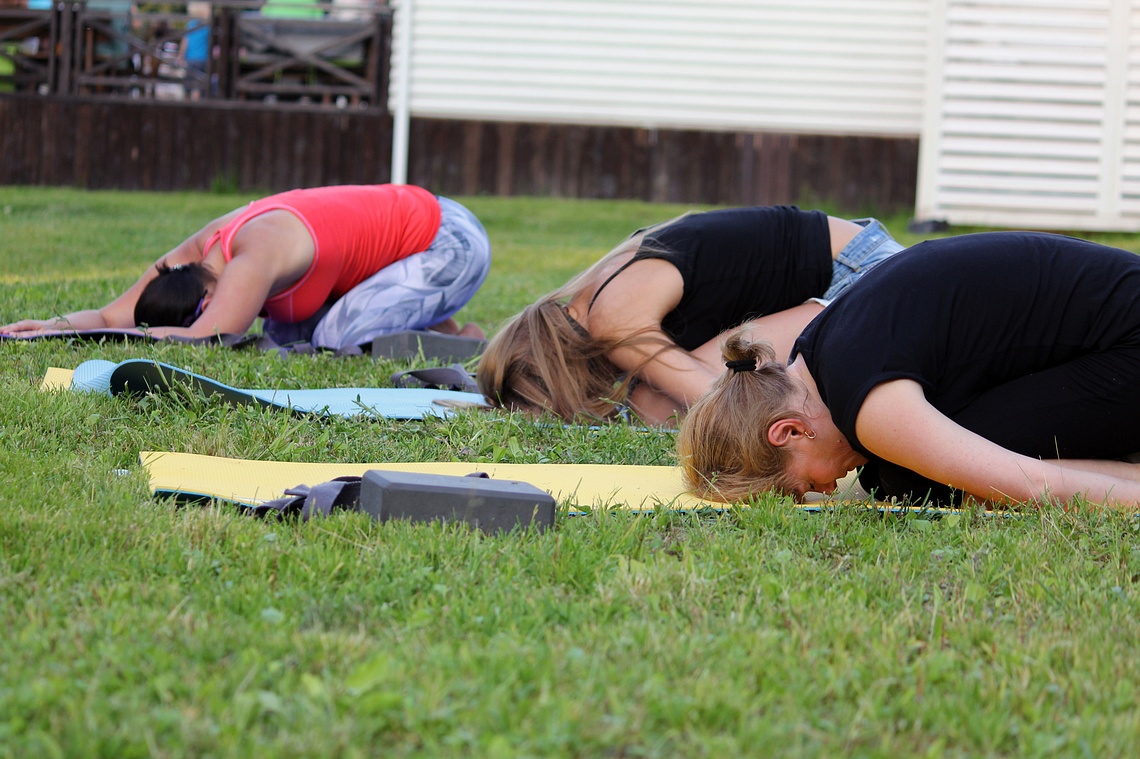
[56, 379]
[638, 488]
[626, 486]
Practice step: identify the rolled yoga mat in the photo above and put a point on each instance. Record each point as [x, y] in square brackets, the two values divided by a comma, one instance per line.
[140, 376]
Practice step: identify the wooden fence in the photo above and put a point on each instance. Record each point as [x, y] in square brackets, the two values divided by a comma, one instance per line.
[104, 143]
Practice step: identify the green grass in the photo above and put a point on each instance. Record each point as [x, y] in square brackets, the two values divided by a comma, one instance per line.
[134, 628]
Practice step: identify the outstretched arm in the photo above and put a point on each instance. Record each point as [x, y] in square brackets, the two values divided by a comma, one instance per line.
[898, 424]
[120, 313]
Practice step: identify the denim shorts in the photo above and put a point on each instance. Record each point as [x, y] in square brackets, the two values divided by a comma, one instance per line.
[870, 247]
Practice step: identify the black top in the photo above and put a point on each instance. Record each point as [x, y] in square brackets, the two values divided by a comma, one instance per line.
[738, 264]
[965, 314]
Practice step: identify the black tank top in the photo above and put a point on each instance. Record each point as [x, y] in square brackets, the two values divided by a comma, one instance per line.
[737, 264]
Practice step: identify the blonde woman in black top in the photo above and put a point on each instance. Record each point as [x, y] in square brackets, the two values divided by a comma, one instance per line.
[1003, 366]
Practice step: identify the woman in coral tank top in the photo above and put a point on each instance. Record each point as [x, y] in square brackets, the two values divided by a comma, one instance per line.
[336, 266]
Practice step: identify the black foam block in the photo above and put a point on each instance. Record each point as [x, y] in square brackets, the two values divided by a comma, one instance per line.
[435, 345]
[488, 504]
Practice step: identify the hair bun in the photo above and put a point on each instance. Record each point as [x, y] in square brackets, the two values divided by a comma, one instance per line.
[741, 354]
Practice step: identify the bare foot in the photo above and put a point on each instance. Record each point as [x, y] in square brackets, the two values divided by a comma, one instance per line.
[471, 329]
[448, 327]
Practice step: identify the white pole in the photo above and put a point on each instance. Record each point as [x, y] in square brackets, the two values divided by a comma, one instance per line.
[927, 197]
[401, 117]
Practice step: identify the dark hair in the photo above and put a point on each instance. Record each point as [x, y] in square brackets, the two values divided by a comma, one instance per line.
[173, 297]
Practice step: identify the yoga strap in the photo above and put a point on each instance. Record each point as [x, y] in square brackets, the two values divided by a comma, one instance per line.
[320, 500]
[304, 502]
[453, 377]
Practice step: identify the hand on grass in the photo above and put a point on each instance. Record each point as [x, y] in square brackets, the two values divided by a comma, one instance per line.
[32, 327]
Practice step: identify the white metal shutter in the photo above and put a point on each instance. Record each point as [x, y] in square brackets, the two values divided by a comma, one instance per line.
[809, 66]
[1031, 119]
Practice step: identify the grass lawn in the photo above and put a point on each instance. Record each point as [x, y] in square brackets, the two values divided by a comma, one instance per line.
[133, 628]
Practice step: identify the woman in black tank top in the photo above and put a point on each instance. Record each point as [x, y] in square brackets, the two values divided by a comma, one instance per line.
[639, 328]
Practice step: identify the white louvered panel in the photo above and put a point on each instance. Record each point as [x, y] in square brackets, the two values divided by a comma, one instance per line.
[1043, 168]
[777, 67]
[1026, 37]
[1065, 208]
[828, 66]
[782, 120]
[1017, 149]
[1130, 134]
[1059, 133]
[1027, 92]
[972, 111]
[1025, 73]
[572, 84]
[1028, 121]
[1019, 184]
[793, 111]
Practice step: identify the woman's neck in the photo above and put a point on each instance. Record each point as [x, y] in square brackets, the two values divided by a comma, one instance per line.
[582, 301]
[813, 405]
[213, 261]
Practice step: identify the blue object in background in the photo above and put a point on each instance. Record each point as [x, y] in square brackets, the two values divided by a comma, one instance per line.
[197, 43]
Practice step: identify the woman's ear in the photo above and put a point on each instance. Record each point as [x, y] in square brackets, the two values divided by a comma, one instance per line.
[784, 431]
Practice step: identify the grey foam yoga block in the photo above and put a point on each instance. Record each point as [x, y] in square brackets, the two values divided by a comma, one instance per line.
[490, 505]
[434, 345]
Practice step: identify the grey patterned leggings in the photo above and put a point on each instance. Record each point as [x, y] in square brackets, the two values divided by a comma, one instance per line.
[416, 292]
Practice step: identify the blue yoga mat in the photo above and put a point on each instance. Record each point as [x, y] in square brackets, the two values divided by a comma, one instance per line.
[139, 376]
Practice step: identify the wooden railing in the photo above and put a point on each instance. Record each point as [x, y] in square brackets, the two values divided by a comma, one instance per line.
[29, 40]
[316, 53]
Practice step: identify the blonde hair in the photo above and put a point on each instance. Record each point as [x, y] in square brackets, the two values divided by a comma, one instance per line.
[723, 445]
[539, 362]
[542, 360]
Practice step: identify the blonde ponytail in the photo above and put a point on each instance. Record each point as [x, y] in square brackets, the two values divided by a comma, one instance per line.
[723, 446]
